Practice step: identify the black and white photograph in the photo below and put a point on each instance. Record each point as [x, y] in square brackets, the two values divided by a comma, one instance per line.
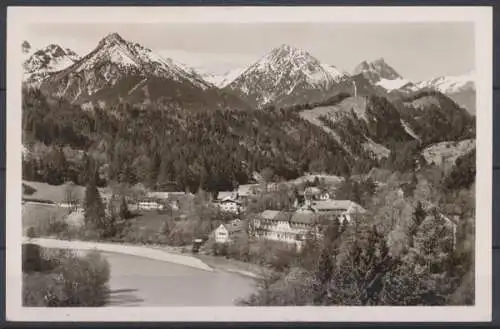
[249, 164]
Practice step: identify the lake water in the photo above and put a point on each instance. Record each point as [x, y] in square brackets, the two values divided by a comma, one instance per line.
[139, 281]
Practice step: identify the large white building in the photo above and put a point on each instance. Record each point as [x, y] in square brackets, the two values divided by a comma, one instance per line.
[293, 227]
[289, 227]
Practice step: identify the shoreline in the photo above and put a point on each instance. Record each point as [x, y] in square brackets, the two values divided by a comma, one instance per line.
[164, 253]
[133, 250]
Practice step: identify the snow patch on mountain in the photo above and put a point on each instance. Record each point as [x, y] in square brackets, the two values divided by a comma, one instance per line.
[222, 80]
[408, 130]
[450, 84]
[394, 84]
[336, 73]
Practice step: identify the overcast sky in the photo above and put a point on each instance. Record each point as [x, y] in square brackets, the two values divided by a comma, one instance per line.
[418, 51]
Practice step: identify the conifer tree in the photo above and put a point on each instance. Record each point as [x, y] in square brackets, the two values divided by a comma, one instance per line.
[94, 211]
[324, 275]
[124, 211]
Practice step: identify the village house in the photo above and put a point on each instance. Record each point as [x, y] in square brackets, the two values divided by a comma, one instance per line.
[226, 233]
[150, 204]
[230, 205]
[69, 204]
[230, 201]
[158, 195]
[342, 209]
[224, 195]
[310, 194]
[248, 190]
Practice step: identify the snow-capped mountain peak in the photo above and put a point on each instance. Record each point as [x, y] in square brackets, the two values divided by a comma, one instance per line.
[39, 64]
[286, 55]
[288, 50]
[112, 39]
[376, 70]
[285, 70]
[122, 57]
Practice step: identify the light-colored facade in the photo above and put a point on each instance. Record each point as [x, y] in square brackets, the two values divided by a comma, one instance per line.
[149, 205]
[221, 234]
[230, 203]
[293, 227]
[229, 206]
[225, 233]
[288, 227]
[343, 209]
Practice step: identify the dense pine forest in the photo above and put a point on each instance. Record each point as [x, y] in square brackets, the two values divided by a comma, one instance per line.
[213, 150]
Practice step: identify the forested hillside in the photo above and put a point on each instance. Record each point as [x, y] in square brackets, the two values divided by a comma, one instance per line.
[214, 150]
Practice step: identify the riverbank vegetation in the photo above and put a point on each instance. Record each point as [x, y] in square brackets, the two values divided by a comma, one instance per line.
[61, 278]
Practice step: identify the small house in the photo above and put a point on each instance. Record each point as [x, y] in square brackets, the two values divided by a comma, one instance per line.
[225, 233]
[230, 205]
[149, 204]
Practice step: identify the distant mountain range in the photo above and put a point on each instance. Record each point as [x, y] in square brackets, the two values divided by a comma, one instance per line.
[118, 70]
[459, 88]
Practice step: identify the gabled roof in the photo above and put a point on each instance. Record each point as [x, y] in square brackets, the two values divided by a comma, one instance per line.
[227, 200]
[303, 218]
[163, 195]
[247, 189]
[288, 216]
[313, 190]
[269, 214]
[225, 194]
[232, 227]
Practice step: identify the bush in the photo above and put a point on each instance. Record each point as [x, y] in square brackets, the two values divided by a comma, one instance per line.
[32, 258]
[220, 249]
[57, 227]
[51, 227]
[31, 232]
[75, 281]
